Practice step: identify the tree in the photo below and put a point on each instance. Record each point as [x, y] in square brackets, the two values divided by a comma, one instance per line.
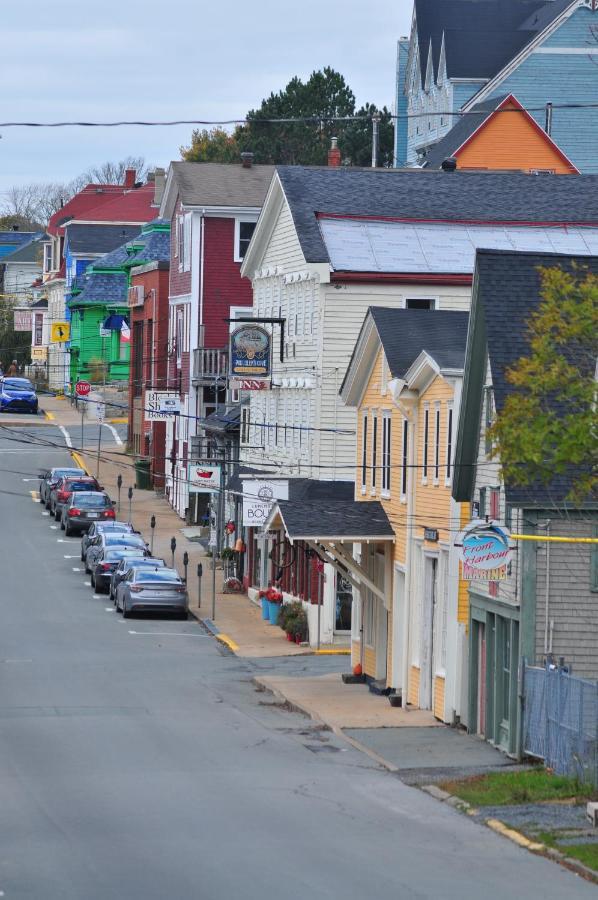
[112, 172]
[13, 344]
[216, 145]
[549, 423]
[356, 138]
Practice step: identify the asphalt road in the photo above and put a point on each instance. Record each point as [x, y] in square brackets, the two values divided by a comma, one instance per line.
[138, 761]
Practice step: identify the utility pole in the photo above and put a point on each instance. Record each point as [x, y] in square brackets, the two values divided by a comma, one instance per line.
[375, 138]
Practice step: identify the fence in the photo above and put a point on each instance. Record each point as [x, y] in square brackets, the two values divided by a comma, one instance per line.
[560, 721]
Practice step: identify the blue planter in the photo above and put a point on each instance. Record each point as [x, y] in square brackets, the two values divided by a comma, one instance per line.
[273, 612]
[265, 609]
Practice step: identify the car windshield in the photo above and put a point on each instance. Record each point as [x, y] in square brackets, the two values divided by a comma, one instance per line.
[157, 575]
[62, 473]
[18, 384]
[120, 527]
[93, 501]
[77, 486]
[124, 540]
[114, 555]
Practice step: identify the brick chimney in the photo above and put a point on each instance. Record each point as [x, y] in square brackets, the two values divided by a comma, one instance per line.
[334, 154]
[130, 176]
[246, 159]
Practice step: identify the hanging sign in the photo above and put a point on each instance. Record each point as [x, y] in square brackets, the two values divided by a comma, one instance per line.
[160, 405]
[250, 352]
[258, 497]
[59, 332]
[170, 405]
[484, 550]
[203, 479]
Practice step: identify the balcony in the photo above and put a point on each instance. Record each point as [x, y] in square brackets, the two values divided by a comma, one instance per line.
[209, 366]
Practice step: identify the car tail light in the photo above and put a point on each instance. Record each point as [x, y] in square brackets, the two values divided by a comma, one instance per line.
[136, 588]
[180, 588]
[110, 514]
[74, 512]
[105, 567]
[62, 496]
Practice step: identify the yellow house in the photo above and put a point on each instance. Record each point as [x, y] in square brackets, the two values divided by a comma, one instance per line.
[405, 378]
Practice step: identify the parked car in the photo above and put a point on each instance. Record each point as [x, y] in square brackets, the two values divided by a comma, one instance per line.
[106, 526]
[115, 541]
[67, 485]
[135, 563]
[17, 394]
[152, 590]
[50, 479]
[105, 565]
[84, 508]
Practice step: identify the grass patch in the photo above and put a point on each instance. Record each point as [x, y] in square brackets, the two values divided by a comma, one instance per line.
[585, 853]
[513, 788]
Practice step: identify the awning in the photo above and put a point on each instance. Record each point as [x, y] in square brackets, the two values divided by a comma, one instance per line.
[114, 322]
[335, 521]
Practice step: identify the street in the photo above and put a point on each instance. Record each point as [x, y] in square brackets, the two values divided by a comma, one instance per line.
[137, 759]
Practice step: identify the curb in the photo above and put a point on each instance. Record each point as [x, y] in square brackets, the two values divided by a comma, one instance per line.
[515, 836]
[78, 459]
[339, 652]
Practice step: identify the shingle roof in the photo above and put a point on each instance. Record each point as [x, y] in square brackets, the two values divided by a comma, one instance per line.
[405, 333]
[115, 259]
[98, 238]
[461, 131]
[432, 196]
[481, 36]
[218, 184]
[105, 288]
[136, 205]
[347, 519]
[28, 252]
[17, 237]
[508, 293]
[156, 248]
[90, 198]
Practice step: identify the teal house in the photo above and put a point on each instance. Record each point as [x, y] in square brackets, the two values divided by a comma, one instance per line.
[99, 307]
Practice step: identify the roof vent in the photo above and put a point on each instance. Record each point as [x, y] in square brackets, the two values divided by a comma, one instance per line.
[247, 159]
[449, 164]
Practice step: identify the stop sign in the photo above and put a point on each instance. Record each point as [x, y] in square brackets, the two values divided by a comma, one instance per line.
[82, 388]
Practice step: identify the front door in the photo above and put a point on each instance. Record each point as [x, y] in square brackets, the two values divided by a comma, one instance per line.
[429, 605]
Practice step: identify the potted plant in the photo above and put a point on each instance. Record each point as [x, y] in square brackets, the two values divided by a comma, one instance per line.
[300, 627]
[275, 602]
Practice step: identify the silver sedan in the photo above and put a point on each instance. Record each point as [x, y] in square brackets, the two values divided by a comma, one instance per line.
[152, 590]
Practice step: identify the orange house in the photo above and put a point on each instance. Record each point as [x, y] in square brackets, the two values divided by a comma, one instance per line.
[500, 134]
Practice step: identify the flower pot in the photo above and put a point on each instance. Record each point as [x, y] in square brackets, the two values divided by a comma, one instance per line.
[274, 610]
[289, 636]
[298, 638]
[265, 609]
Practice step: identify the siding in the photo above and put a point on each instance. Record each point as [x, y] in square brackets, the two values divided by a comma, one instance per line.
[438, 702]
[413, 693]
[180, 282]
[223, 285]
[433, 500]
[284, 248]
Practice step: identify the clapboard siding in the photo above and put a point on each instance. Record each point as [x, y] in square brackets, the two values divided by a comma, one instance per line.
[284, 249]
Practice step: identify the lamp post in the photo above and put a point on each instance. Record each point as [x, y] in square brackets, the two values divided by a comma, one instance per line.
[153, 528]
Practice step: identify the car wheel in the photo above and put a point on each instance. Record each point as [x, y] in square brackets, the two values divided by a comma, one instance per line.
[125, 611]
[56, 515]
[183, 616]
[82, 556]
[93, 581]
[67, 531]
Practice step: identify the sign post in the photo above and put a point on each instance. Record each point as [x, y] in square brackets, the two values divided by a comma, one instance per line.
[82, 389]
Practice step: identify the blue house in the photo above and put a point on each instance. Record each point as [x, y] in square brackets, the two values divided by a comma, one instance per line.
[462, 53]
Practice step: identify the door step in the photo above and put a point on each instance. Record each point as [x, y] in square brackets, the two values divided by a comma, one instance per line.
[379, 688]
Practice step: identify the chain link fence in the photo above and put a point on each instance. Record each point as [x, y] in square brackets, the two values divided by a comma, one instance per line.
[560, 721]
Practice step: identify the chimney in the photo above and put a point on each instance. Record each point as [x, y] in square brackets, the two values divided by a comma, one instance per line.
[449, 164]
[247, 159]
[334, 154]
[130, 175]
[159, 183]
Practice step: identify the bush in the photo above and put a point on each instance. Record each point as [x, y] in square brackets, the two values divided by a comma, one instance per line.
[288, 615]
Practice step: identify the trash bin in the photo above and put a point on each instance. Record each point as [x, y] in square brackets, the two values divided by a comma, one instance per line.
[143, 481]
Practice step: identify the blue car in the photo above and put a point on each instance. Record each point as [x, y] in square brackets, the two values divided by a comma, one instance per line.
[17, 394]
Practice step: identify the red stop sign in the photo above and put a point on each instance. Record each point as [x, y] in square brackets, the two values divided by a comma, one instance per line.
[82, 388]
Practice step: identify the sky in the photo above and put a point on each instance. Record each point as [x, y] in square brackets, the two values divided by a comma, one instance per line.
[144, 59]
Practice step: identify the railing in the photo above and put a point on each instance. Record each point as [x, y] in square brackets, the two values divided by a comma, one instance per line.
[209, 364]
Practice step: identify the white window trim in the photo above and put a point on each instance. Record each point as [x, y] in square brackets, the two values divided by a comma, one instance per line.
[386, 470]
[450, 433]
[404, 461]
[187, 242]
[434, 297]
[238, 219]
[374, 428]
[425, 443]
[437, 422]
[364, 451]
[384, 385]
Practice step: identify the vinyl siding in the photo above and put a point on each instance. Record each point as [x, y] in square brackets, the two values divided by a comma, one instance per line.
[284, 248]
[433, 500]
[413, 692]
[438, 702]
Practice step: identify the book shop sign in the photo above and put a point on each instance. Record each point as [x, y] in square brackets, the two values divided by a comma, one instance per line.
[485, 551]
[250, 352]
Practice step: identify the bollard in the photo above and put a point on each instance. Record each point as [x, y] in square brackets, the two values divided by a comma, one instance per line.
[185, 563]
[119, 484]
[199, 574]
[173, 548]
[130, 495]
[153, 528]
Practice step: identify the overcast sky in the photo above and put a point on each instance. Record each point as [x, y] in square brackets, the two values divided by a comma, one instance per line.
[143, 59]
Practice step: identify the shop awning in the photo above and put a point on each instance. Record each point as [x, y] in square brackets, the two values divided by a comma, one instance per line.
[335, 521]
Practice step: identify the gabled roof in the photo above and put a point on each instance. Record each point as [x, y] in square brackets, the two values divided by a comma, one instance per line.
[474, 197]
[17, 237]
[136, 205]
[29, 251]
[344, 520]
[477, 118]
[481, 36]
[91, 197]
[404, 334]
[215, 185]
[98, 238]
[506, 294]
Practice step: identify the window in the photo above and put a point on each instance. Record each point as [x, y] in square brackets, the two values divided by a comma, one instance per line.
[374, 449]
[482, 506]
[449, 442]
[405, 459]
[179, 337]
[364, 454]
[243, 234]
[187, 243]
[488, 415]
[436, 443]
[420, 303]
[179, 241]
[594, 564]
[386, 439]
[426, 444]
[48, 257]
[38, 329]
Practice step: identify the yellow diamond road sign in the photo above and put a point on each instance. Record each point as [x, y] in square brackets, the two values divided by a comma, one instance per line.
[60, 331]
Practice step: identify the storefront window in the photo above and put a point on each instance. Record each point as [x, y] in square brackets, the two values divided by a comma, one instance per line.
[344, 600]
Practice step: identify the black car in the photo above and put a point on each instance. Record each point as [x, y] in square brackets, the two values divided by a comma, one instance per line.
[101, 574]
[105, 526]
[49, 480]
[84, 508]
[125, 564]
[118, 541]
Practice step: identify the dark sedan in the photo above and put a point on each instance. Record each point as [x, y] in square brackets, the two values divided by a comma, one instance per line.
[85, 508]
[17, 394]
[152, 590]
[124, 565]
[61, 493]
[50, 479]
[103, 527]
[113, 541]
[101, 573]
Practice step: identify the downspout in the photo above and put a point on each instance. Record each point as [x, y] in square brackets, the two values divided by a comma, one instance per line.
[547, 594]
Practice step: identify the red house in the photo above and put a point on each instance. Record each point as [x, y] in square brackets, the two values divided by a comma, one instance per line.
[212, 209]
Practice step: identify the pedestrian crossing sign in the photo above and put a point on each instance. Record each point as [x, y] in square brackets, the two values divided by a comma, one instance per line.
[59, 332]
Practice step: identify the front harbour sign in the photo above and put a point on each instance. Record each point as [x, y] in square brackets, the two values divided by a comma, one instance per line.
[250, 352]
[485, 551]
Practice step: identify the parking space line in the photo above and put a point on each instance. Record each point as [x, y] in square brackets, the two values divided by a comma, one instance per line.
[35, 496]
[67, 437]
[115, 433]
